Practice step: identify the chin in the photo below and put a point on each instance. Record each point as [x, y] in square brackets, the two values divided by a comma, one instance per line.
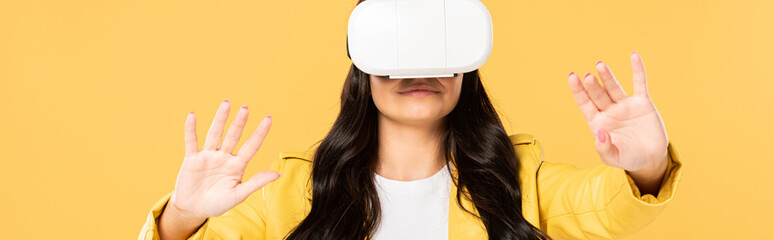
[421, 116]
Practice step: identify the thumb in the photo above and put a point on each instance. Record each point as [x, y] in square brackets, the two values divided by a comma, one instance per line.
[256, 182]
[605, 148]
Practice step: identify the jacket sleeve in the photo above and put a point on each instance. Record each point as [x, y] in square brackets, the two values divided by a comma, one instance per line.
[245, 221]
[601, 202]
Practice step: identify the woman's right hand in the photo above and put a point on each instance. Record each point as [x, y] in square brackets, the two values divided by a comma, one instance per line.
[210, 180]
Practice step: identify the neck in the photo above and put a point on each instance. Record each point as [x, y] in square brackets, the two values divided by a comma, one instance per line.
[409, 152]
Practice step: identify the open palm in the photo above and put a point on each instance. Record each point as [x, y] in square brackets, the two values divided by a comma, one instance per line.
[210, 181]
[630, 132]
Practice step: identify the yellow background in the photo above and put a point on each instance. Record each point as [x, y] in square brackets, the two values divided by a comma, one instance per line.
[95, 94]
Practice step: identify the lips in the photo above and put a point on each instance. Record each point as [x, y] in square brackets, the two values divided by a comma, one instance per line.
[419, 87]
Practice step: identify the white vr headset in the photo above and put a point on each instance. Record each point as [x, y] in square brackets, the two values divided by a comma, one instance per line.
[419, 38]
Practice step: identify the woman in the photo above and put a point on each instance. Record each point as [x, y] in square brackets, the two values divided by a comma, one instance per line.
[411, 132]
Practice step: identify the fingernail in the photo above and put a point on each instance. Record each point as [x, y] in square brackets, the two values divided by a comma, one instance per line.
[268, 116]
[598, 62]
[280, 174]
[601, 136]
[571, 73]
[191, 112]
[244, 106]
[586, 75]
[226, 100]
[634, 52]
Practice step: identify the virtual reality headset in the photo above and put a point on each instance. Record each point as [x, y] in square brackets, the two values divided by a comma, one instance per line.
[419, 38]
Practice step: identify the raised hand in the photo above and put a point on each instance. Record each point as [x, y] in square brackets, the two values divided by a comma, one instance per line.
[210, 180]
[629, 130]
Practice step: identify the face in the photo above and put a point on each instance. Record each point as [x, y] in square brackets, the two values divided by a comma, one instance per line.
[415, 101]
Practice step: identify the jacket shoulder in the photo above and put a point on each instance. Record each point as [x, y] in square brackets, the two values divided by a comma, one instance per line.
[522, 138]
[294, 161]
[297, 155]
[528, 149]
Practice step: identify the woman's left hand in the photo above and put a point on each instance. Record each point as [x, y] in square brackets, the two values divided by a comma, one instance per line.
[629, 131]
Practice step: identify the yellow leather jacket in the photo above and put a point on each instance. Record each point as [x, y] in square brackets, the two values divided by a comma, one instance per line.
[566, 202]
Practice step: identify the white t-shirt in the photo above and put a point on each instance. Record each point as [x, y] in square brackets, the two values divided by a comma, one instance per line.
[414, 209]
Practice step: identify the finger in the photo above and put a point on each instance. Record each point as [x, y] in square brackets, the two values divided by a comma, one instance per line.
[256, 182]
[191, 144]
[216, 128]
[582, 97]
[597, 94]
[235, 131]
[638, 70]
[253, 143]
[607, 152]
[612, 86]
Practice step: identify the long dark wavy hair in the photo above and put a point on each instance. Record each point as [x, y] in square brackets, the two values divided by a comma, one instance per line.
[345, 204]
